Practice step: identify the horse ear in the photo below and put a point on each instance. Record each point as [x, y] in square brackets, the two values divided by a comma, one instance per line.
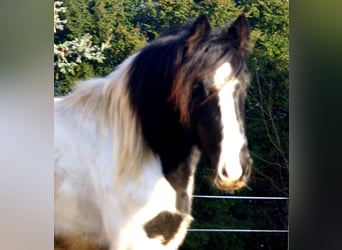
[199, 30]
[239, 35]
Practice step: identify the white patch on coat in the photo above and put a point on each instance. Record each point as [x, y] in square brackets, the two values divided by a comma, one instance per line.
[222, 74]
[86, 200]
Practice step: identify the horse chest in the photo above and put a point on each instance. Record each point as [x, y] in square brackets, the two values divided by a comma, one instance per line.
[150, 218]
[144, 213]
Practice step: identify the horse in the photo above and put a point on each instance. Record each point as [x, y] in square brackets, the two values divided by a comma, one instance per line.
[127, 144]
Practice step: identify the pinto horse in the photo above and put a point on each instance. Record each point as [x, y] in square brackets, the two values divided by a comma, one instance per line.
[127, 145]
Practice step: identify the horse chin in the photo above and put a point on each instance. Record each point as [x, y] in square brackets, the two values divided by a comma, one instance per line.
[226, 184]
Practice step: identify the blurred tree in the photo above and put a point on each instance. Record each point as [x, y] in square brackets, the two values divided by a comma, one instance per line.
[70, 54]
[110, 25]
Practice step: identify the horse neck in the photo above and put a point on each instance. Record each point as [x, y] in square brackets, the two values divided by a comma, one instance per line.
[181, 178]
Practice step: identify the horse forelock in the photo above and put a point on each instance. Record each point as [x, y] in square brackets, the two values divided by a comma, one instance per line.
[169, 66]
[196, 67]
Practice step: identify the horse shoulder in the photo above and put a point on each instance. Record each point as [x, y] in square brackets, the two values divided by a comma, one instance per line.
[77, 188]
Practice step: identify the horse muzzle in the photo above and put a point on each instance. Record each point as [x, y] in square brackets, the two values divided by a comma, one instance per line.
[230, 178]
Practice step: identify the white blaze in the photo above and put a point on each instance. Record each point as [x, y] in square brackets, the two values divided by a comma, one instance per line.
[233, 140]
[222, 74]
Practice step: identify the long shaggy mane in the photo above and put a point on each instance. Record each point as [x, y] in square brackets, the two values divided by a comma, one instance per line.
[106, 102]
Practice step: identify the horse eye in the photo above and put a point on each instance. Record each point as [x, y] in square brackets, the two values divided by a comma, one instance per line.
[198, 93]
[198, 88]
[197, 85]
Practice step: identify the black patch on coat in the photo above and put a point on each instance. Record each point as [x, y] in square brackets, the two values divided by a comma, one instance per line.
[178, 179]
[208, 126]
[165, 224]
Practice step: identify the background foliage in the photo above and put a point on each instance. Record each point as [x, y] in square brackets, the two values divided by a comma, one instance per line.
[96, 35]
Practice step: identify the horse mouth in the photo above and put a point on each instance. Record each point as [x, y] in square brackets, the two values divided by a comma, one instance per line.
[229, 185]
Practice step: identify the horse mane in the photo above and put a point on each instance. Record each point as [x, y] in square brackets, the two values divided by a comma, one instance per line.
[105, 101]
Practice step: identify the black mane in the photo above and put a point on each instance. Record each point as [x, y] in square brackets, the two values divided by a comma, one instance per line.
[151, 77]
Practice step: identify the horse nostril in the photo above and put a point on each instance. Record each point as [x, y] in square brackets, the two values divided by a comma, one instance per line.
[224, 172]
